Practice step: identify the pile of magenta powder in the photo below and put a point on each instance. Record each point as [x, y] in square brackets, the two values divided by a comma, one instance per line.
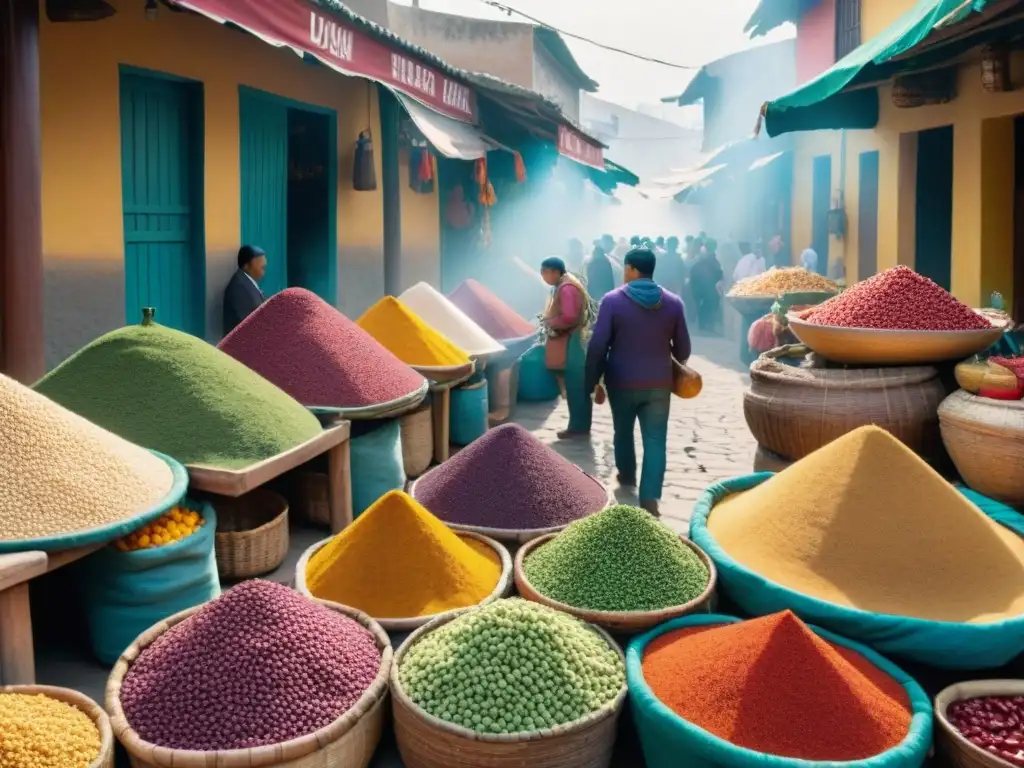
[259, 665]
[898, 299]
[306, 347]
[508, 479]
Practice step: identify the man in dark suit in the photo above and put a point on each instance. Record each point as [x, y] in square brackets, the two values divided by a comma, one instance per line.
[243, 294]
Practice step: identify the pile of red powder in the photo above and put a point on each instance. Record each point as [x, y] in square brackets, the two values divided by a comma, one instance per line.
[306, 347]
[897, 299]
[509, 479]
[489, 312]
[773, 686]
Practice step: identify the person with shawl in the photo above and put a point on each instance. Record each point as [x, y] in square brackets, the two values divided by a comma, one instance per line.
[705, 275]
[599, 274]
[566, 323]
[640, 329]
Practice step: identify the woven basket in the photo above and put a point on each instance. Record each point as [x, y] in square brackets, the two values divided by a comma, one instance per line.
[518, 535]
[349, 741]
[312, 497]
[949, 742]
[985, 439]
[795, 411]
[502, 589]
[425, 741]
[92, 710]
[252, 534]
[766, 461]
[417, 440]
[620, 622]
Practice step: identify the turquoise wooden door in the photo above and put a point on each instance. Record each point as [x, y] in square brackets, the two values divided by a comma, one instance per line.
[264, 170]
[161, 176]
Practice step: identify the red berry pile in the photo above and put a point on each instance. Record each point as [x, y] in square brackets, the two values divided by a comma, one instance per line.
[994, 723]
[897, 299]
[259, 665]
[1015, 364]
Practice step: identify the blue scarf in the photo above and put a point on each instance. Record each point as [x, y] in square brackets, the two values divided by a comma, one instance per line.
[644, 292]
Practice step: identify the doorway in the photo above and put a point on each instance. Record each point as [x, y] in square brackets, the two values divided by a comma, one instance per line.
[933, 226]
[867, 216]
[162, 199]
[289, 189]
[821, 202]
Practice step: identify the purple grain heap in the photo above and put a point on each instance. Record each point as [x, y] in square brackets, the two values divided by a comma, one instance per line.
[259, 665]
[509, 479]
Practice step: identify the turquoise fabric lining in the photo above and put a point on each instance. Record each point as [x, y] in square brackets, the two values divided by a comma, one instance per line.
[669, 741]
[110, 532]
[944, 644]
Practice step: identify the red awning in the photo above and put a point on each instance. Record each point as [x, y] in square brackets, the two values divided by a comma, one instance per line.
[308, 29]
[572, 144]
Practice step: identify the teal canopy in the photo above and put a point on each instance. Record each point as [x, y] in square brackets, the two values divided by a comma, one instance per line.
[840, 97]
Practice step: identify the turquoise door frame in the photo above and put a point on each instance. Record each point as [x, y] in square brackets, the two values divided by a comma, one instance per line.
[263, 148]
[162, 167]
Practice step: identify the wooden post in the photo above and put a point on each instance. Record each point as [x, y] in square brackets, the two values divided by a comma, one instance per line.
[441, 413]
[339, 486]
[390, 114]
[21, 227]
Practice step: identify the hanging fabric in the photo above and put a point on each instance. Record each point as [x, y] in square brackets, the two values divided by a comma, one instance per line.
[487, 198]
[457, 211]
[520, 168]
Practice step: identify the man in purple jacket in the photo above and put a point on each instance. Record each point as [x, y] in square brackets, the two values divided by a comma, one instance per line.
[640, 328]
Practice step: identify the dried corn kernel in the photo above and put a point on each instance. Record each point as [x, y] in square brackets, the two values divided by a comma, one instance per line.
[177, 524]
[39, 732]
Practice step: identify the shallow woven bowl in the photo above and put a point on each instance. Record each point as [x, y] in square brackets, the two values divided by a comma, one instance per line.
[952, 744]
[348, 741]
[501, 589]
[517, 535]
[868, 346]
[92, 710]
[619, 622]
[429, 742]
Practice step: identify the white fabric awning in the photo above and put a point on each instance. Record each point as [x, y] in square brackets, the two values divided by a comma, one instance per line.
[454, 139]
[762, 162]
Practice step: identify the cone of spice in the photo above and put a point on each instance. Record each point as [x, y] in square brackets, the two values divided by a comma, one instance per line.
[773, 686]
[306, 347]
[509, 480]
[398, 561]
[411, 340]
[489, 312]
[437, 311]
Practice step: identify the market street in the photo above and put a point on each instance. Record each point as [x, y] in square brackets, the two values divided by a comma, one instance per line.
[708, 439]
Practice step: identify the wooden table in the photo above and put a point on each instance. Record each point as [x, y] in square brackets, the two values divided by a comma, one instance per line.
[334, 441]
[17, 655]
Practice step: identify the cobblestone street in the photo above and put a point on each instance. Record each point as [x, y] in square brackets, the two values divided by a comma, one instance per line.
[708, 438]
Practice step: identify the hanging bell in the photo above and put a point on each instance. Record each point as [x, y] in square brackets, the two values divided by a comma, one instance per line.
[364, 174]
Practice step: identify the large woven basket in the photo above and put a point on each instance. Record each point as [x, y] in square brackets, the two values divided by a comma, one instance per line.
[949, 742]
[795, 411]
[502, 589]
[985, 439]
[92, 710]
[349, 741]
[425, 741]
[252, 534]
[620, 622]
[417, 440]
[312, 497]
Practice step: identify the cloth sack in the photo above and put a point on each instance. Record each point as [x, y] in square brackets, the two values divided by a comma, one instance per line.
[376, 461]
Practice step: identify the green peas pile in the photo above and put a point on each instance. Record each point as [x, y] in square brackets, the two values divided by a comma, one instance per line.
[512, 666]
[620, 559]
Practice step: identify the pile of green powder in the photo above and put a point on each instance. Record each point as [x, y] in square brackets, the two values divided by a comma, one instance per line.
[620, 559]
[176, 394]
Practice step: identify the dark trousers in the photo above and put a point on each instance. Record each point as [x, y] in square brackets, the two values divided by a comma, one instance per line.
[651, 408]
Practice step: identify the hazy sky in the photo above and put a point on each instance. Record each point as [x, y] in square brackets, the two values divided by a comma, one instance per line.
[681, 31]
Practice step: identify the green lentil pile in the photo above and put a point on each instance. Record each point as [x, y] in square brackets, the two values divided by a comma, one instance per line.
[176, 394]
[512, 666]
[620, 559]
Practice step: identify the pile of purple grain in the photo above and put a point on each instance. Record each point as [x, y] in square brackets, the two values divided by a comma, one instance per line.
[508, 479]
[259, 665]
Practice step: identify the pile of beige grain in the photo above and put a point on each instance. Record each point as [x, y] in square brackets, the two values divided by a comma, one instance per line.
[785, 280]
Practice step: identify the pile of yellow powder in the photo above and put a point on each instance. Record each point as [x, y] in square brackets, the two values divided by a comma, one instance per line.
[61, 474]
[863, 522]
[407, 337]
[39, 732]
[398, 561]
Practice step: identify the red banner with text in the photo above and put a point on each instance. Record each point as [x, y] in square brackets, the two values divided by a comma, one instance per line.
[304, 26]
[572, 144]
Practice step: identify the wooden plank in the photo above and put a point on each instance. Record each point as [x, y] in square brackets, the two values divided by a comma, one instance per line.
[68, 556]
[235, 482]
[440, 414]
[21, 567]
[17, 657]
[339, 486]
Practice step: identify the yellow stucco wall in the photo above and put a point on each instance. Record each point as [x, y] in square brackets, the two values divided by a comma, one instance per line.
[982, 237]
[421, 232]
[82, 221]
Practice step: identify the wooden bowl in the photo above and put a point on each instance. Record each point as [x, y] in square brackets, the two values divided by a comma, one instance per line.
[952, 744]
[92, 710]
[868, 346]
[619, 622]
